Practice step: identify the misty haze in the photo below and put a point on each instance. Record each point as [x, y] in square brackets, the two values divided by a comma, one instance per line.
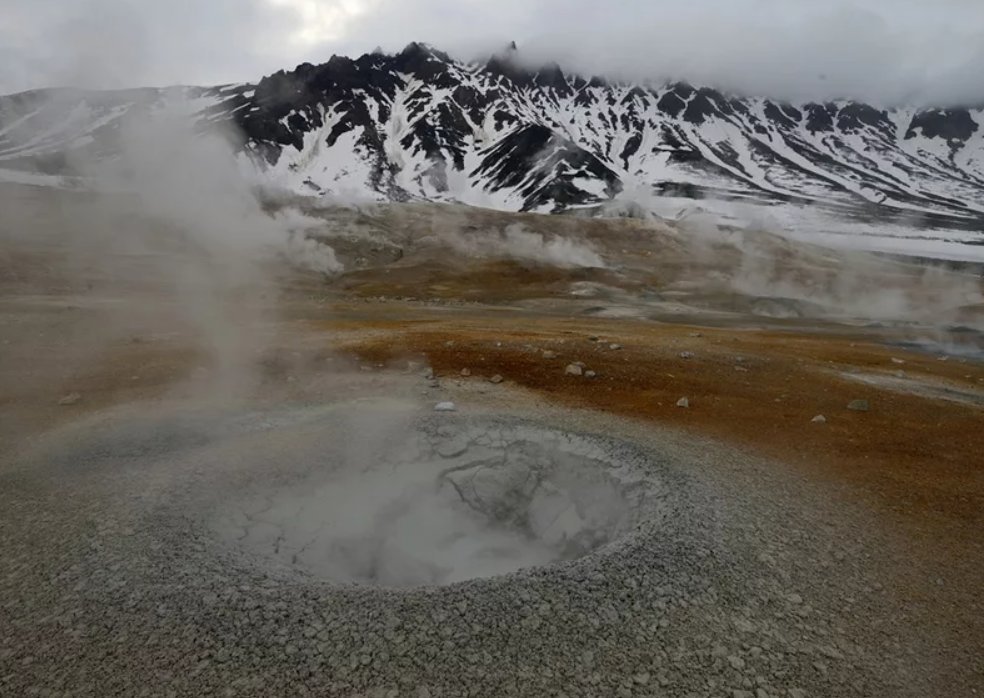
[431, 349]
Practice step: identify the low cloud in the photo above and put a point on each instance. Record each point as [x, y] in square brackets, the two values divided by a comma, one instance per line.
[883, 51]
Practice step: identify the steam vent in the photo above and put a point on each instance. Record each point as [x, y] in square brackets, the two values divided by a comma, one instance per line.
[425, 375]
[452, 501]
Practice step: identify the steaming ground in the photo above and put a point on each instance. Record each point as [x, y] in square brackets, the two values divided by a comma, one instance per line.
[271, 506]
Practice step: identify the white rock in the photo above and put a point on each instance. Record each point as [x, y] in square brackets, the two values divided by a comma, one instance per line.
[466, 372]
[683, 402]
[686, 355]
[574, 370]
[590, 374]
[445, 407]
[70, 399]
[819, 419]
[614, 347]
[496, 379]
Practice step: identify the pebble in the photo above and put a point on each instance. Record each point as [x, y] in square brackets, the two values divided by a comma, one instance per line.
[614, 347]
[70, 399]
[819, 419]
[590, 374]
[686, 355]
[858, 406]
[574, 370]
[496, 379]
[466, 372]
[466, 616]
[547, 354]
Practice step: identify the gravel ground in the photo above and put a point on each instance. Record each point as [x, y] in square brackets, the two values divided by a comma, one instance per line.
[115, 580]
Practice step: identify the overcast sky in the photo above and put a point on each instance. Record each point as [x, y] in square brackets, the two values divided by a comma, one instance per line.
[880, 50]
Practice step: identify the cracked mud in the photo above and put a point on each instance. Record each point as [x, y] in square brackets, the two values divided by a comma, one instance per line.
[453, 501]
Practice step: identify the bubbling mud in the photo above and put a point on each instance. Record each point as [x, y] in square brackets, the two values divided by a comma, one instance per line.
[451, 502]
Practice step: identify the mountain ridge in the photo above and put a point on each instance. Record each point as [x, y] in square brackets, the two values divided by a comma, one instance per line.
[420, 125]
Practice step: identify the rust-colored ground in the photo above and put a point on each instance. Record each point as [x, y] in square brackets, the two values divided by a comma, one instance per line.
[918, 458]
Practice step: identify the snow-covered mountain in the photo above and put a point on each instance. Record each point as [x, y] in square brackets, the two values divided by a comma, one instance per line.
[420, 125]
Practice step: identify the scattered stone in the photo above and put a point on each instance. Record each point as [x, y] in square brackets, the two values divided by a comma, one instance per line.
[898, 361]
[466, 372]
[819, 419]
[547, 354]
[614, 347]
[736, 662]
[686, 355]
[858, 406]
[590, 374]
[496, 379]
[683, 402]
[741, 369]
[70, 399]
[445, 407]
[573, 370]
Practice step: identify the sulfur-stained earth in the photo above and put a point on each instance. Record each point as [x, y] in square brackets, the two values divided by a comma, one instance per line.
[820, 415]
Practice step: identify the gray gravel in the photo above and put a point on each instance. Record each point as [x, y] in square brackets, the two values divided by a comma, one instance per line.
[115, 582]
